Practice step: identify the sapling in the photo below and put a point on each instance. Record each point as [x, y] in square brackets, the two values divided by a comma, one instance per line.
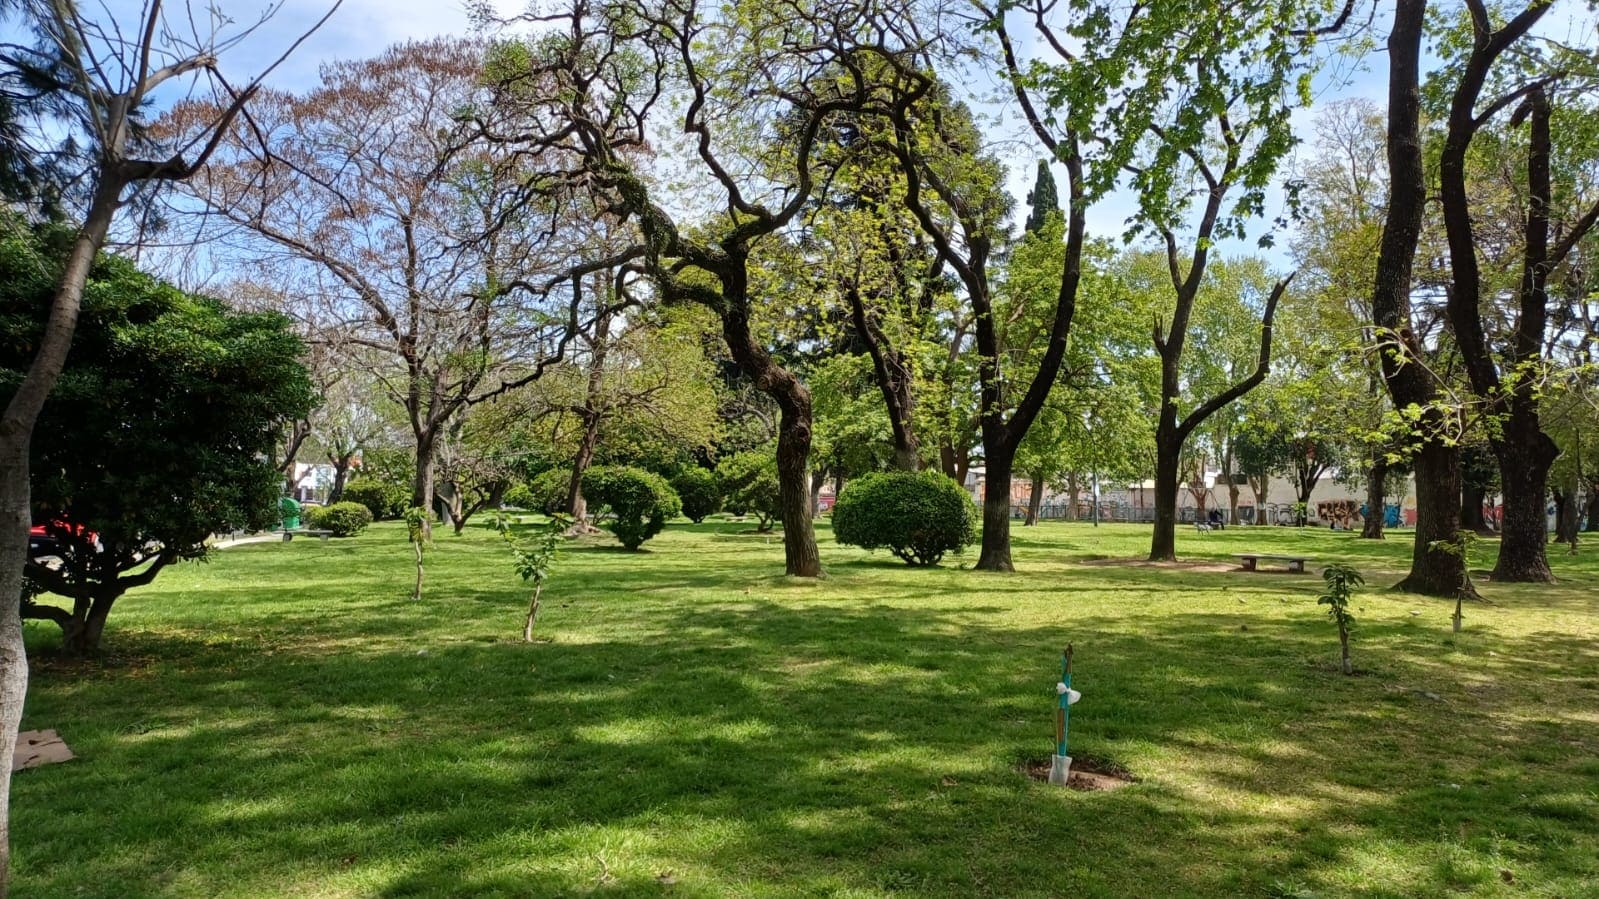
[532, 560]
[416, 523]
[1460, 547]
[1341, 582]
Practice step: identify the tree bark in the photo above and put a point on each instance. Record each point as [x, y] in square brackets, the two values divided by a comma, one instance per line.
[818, 478]
[1376, 497]
[1437, 464]
[1163, 546]
[995, 555]
[1472, 497]
[894, 382]
[16, 438]
[1434, 569]
[1525, 454]
[1566, 516]
[1074, 495]
[1035, 498]
[532, 613]
[422, 482]
[1591, 510]
[576, 505]
[341, 477]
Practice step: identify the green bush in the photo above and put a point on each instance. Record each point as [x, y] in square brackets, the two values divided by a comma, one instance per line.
[344, 519]
[518, 497]
[750, 483]
[918, 516]
[701, 492]
[386, 502]
[640, 502]
[547, 491]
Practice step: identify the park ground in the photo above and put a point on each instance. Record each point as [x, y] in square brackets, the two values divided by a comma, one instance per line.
[286, 721]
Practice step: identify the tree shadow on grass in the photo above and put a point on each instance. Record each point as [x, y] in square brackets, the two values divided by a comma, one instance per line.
[751, 745]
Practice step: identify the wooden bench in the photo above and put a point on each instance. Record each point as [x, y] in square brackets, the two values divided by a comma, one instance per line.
[1296, 564]
[306, 532]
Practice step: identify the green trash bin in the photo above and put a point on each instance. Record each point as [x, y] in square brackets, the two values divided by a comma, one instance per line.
[289, 512]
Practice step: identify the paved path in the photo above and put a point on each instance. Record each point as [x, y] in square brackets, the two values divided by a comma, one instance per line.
[255, 538]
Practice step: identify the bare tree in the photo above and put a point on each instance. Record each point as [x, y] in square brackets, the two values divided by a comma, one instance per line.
[419, 251]
[106, 75]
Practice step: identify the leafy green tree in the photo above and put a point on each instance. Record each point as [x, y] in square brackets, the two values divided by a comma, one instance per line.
[750, 481]
[700, 491]
[157, 433]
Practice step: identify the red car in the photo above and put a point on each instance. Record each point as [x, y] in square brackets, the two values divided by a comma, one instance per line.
[41, 542]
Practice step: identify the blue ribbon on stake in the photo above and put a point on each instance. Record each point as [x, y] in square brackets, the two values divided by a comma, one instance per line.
[1063, 714]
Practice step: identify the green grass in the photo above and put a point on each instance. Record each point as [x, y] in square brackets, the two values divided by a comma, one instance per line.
[285, 721]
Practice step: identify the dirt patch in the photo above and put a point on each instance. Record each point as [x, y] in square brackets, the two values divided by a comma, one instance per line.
[1170, 566]
[1089, 773]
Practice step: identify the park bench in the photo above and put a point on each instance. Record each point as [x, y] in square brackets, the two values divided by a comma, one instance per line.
[306, 532]
[1295, 563]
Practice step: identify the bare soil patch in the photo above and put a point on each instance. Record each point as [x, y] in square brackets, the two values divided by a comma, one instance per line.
[1089, 773]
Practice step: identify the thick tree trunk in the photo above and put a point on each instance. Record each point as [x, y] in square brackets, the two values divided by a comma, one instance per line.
[995, 555]
[1566, 516]
[1472, 497]
[16, 437]
[1435, 570]
[1074, 495]
[1163, 545]
[1035, 499]
[1376, 498]
[818, 478]
[1232, 501]
[801, 557]
[1525, 456]
[1591, 510]
[1261, 488]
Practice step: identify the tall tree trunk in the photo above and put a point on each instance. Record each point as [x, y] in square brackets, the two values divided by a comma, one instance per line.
[1261, 487]
[1525, 456]
[1591, 509]
[1376, 497]
[1472, 498]
[995, 555]
[818, 478]
[16, 438]
[800, 555]
[1035, 498]
[1074, 495]
[1432, 571]
[1163, 545]
[576, 505]
[893, 382]
[1435, 570]
[1566, 515]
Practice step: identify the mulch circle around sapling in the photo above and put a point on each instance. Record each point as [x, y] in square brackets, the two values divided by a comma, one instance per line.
[1089, 773]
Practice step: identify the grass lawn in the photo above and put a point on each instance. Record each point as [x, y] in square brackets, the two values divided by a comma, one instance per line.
[286, 721]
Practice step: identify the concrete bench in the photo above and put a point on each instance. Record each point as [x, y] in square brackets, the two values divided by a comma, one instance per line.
[306, 532]
[1295, 563]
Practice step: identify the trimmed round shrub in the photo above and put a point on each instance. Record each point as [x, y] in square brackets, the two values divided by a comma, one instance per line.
[518, 497]
[344, 519]
[547, 491]
[701, 492]
[386, 502]
[640, 502]
[916, 515]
